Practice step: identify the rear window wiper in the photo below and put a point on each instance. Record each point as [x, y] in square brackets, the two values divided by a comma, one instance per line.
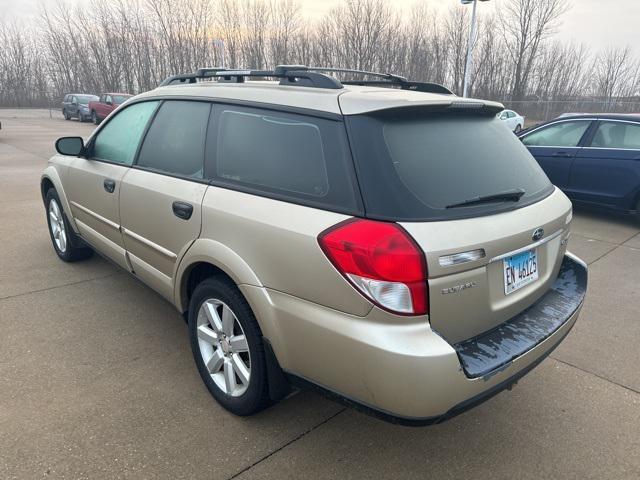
[508, 195]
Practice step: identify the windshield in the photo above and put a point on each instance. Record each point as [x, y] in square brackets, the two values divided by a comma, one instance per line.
[414, 166]
[120, 98]
[85, 99]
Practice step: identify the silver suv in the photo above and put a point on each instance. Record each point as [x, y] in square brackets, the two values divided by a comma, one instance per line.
[381, 239]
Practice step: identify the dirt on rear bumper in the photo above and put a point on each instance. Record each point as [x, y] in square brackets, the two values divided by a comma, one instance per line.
[486, 354]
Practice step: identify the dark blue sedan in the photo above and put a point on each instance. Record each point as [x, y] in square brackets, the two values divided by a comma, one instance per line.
[593, 158]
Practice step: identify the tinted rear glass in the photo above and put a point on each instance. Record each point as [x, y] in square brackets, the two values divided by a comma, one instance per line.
[283, 153]
[175, 141]
[287, 156]
[413, 166]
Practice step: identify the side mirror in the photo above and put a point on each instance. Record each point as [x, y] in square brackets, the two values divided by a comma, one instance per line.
[72, 146]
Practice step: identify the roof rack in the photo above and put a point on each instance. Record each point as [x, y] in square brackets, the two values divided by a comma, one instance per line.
[302, 75]
[288, 75]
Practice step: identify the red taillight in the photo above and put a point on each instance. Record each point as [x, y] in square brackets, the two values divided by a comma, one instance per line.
[382, 261]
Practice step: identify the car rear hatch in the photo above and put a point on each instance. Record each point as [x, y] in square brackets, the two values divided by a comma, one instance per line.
[491, 225]
[479, 293]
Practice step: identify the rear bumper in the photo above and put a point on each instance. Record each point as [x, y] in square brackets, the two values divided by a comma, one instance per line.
[485, 354]
[398, 368]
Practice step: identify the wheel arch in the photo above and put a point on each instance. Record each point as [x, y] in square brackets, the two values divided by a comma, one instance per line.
[45, 185]
[51, 179]
[206, 258]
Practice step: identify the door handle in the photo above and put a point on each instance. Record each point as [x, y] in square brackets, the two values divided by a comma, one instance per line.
[182, 210]
[109, 185]
[561, 154]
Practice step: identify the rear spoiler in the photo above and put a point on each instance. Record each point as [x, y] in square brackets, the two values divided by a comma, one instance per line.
[463, 107]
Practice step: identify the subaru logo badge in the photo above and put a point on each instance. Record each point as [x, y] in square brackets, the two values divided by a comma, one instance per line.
[537, 234]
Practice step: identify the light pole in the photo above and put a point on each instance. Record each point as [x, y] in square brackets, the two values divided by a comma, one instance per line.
[470, 45]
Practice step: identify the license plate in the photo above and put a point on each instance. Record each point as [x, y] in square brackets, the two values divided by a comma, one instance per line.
[520, 270]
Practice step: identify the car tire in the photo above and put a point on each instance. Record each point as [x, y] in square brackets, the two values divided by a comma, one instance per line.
[67, 245]
[518, 129]
[227, 346]
[66, 115]
[94, 118]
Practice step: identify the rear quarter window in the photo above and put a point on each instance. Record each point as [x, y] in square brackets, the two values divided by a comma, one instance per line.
[287, 156]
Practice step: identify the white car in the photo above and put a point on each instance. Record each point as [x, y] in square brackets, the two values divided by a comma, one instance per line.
[514, 121]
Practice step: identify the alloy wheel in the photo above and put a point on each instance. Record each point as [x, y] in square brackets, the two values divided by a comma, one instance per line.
[56, 224]
[223, 347]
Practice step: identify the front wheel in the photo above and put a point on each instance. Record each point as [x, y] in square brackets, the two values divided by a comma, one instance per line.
[227, 346]
[66, 243]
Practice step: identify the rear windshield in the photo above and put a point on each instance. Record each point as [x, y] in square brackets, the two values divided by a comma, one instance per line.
[418, 167]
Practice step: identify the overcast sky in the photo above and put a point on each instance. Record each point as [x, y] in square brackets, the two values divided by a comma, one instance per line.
[597, 23]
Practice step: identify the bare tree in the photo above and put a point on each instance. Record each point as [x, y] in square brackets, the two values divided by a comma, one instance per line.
[616, 74]
[357, 34]
[491, 77]
[131, 45]
[526, 25]
[283, 29]
[456, 28]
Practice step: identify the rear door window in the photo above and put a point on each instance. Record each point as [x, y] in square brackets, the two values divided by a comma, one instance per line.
[174, 143]
[416, 167]
[280, 154]
[620, 135]
[561, 134]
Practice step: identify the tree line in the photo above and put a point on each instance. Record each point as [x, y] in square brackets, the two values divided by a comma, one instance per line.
[132, 45]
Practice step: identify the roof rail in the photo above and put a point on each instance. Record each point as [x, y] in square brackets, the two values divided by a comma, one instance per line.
[302, 75]
[174, 79]
[386, 80]
[288, 75]
[387, 76]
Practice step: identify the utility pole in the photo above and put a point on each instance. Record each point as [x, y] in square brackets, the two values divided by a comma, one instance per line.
[470, 45]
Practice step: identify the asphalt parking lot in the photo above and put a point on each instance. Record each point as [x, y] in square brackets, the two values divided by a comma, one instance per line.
[97, 378]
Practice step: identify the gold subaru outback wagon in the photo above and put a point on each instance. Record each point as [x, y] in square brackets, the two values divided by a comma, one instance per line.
[383, 240]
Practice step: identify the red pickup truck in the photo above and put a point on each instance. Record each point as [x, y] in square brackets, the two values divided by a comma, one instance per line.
[107, 103]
